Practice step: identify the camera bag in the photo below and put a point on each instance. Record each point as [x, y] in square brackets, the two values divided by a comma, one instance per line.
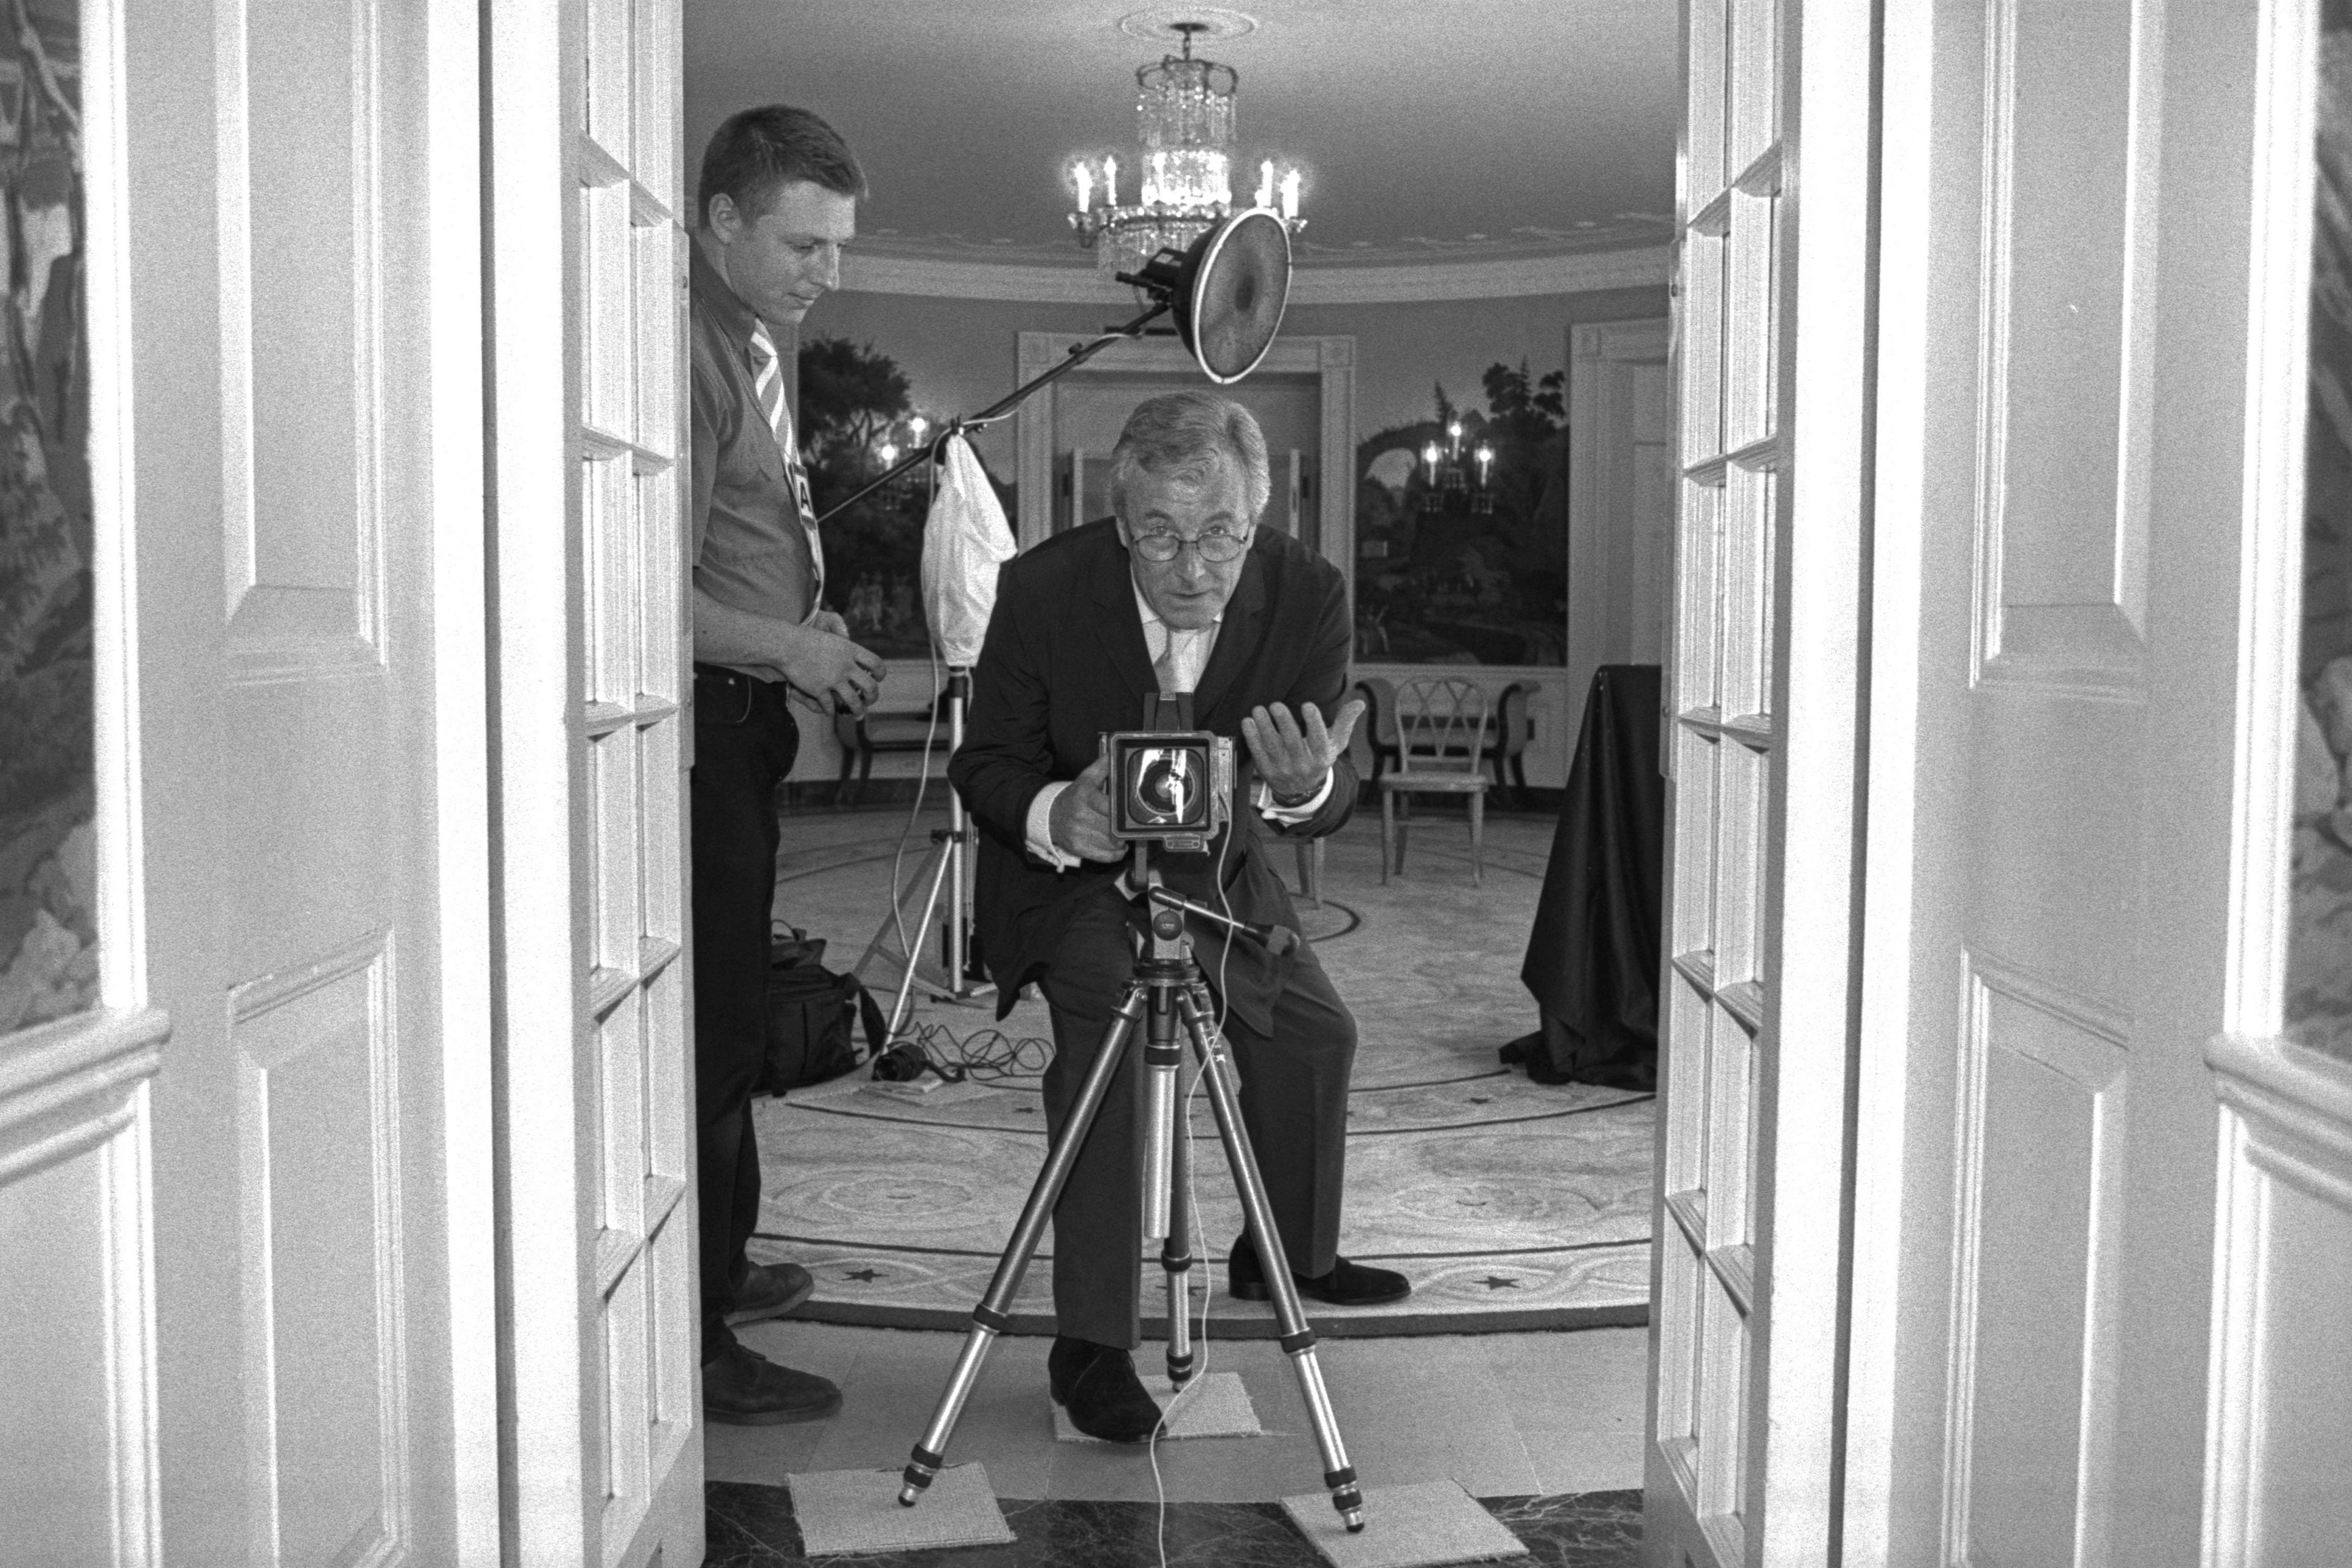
[811, 1034]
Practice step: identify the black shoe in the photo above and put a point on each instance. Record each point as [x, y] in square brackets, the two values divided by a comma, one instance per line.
[1348, 1284]
[740, 1387]
[1098, 1385]
[769, 1290]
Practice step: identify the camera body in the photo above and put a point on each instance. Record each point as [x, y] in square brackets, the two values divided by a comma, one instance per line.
[1171, 786]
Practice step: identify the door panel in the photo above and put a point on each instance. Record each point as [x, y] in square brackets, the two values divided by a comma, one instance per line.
[2064, 438]
[299, 455]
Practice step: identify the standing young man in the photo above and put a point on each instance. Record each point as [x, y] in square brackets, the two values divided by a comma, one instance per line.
[778, 200]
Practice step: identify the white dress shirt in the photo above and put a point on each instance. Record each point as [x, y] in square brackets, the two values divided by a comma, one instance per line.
[1190, 657]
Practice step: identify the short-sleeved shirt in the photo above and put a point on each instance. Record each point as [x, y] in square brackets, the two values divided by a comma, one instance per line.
[751, 545]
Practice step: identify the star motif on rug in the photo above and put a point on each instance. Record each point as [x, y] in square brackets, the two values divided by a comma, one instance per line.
[1496, 1282]
[867, 1275]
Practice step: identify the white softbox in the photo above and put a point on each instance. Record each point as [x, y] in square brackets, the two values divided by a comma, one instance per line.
[964, 542]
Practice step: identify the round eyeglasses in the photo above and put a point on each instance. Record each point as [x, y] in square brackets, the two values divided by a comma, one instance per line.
[1215, 546]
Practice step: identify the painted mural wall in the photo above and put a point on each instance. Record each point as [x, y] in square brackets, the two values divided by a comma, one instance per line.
[49, 959]
[1438, 580]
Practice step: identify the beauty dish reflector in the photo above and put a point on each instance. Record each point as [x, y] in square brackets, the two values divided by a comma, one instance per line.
[1230, 305]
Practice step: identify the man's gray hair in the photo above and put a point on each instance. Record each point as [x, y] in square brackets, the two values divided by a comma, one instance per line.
[1180, 435]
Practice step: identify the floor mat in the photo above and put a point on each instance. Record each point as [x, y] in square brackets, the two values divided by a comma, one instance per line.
[1509, 1204]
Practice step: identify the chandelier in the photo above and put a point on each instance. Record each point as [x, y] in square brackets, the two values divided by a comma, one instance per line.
[1184, 118]
[1448, 482]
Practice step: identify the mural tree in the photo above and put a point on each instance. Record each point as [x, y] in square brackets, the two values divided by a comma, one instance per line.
[1446, 583]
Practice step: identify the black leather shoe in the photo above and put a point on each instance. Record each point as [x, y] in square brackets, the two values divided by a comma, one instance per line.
[769, 1290]
[740, 1387]
[1098, 1385]
[1348, 1284]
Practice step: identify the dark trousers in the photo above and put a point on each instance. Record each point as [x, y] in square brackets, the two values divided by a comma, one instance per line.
[744, 743]
[1294, 1102]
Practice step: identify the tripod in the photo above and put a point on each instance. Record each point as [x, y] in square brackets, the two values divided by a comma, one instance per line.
[1165, 990]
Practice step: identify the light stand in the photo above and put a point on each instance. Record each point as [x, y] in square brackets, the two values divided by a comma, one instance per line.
[948, 865]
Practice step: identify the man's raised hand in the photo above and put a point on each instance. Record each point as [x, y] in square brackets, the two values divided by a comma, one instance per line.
[1081, 816]
[1293, 754]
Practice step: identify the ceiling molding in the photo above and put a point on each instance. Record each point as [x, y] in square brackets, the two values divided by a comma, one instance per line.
[871, 272]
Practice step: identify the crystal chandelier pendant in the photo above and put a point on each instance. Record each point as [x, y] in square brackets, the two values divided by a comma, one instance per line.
[1184, 118]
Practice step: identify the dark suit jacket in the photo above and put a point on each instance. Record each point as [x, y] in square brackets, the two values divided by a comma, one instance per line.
[1065, 662]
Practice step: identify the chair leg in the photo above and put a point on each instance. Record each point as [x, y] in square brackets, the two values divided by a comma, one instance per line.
[1310, 870]
[1404, 826]
[1388, 830]
[1477, 837]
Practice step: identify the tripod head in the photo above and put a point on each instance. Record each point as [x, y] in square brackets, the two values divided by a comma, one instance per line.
[1165, 911]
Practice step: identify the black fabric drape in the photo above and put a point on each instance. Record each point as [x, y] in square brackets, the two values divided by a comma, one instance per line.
[1593, 957]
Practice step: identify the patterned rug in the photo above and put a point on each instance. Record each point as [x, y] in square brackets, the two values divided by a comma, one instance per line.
[1511, 1205]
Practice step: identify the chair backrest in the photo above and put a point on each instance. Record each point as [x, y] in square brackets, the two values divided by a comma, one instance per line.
[1512, 728]
[1380, 711]
[1442, 724]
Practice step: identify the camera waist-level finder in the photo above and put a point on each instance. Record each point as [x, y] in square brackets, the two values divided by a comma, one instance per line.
[1171, 785]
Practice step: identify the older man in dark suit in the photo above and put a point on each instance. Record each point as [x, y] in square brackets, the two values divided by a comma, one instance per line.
[1181, 592]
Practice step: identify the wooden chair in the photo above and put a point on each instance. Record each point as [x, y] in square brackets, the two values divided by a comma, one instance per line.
[863, 736]
[1506, 747]
[1442, 727]
[1379, 723]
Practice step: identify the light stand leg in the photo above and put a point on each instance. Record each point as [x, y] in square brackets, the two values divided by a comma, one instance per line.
[959, 845]
[1298, 1338]
[895, 922]
[935, 869]
[994, 1313]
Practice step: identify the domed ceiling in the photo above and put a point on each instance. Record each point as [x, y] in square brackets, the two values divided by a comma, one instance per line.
[1429, 131]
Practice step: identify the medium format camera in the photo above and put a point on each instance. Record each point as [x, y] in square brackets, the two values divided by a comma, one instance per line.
[1173, 787]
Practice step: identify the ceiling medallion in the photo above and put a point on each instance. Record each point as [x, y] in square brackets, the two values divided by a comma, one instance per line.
[1170, 23]
[1184, 118]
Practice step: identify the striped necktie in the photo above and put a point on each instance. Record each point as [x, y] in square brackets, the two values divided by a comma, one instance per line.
[768, 386]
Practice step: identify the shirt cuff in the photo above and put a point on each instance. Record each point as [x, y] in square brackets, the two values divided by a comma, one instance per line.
[1039, 827]
[1292, 814]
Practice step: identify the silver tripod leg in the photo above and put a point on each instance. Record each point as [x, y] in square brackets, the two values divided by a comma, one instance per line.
[1176, 1253]
[1298, 1338]
[994, 1313]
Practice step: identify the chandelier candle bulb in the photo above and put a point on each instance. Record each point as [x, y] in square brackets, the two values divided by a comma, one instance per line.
[1184, 119]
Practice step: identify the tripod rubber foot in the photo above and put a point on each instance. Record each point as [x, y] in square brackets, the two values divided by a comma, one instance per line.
[909, 1495]
[1353, 1517]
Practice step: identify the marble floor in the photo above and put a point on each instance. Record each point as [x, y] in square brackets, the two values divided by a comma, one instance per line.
[1545, 1429]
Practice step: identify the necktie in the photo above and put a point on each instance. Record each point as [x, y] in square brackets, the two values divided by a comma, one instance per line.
[1178, 665]
[768, 386]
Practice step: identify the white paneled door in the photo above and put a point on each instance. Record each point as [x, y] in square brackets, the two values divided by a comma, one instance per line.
[2096, 219]
[245, 1205]
[587, 308]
